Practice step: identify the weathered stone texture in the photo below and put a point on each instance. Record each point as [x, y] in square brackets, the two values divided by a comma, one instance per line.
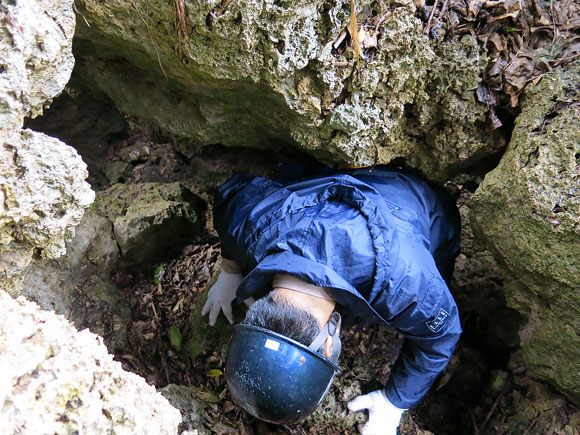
[151, 221]
[267, 73]
[42, 189]
[43, 196]
[528, 212]
[54, 379]
[79, 284]
[36, 56]
[192, 411]
[128, 226]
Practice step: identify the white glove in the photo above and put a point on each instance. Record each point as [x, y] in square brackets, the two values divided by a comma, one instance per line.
[384, 417]
[221, 295]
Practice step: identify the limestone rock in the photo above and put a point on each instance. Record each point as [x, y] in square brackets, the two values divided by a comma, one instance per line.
[55, 379]
[129, 227]
[36, 52]
[266, 73]
[151, 221]
[527, 211]
[79, 284]
[43, 196]
[531, 403]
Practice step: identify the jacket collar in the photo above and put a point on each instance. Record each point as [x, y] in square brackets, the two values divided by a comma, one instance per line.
[259, 282]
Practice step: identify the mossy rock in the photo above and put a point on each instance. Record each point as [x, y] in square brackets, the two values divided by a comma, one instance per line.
[151, 221]
[527, 211]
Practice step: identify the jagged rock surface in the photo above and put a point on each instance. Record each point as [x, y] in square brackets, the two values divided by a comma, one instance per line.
[55, 379]
[151, 221]
[79, 284]
[275, 74]
[185, 399]
[528, 212]
[37, 61]
[42, 199]
[129, 226]
[42, 189]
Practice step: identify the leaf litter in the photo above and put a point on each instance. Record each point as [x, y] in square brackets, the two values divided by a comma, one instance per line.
[524, 40]
[157, 346]
[161, 307]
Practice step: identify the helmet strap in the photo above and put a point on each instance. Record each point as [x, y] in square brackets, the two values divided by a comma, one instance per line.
[331, 329]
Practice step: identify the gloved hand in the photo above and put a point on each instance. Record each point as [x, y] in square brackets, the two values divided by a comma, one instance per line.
[384, 417]
[221, 295]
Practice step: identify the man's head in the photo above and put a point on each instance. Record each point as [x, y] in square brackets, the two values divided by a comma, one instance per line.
[298, 316]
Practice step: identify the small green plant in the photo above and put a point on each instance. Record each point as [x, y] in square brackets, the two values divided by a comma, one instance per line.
[158, 275]
[175, 338]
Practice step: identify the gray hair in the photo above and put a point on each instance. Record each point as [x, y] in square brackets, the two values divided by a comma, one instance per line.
[284, 318]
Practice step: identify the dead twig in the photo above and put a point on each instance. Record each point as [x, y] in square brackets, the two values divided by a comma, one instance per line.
[343, 63]
[428, 25]
[152, 41]
[443, 10]
[222, 8]
[76, 11]
[533, 423]
[475, 429]
[338, 40]
[494, 406]
[354, 32]
[383, 18]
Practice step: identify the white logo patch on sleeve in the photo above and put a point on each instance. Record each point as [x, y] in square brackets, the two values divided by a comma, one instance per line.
[438, 322]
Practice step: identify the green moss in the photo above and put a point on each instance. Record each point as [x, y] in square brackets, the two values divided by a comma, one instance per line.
[333, 407]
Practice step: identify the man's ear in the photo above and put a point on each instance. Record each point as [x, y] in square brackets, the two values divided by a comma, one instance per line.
[328, 346]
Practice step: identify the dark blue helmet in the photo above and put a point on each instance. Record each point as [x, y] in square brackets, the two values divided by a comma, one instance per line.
[275, 378]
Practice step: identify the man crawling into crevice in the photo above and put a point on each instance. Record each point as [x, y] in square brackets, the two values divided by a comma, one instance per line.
[312, 248]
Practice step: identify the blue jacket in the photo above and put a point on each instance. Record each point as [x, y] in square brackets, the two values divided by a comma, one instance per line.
[377, 238]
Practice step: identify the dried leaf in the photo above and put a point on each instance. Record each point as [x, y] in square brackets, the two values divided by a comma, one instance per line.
[498, 42]
[553, 220]
[559, 209]
[514, 14]
[228, 406]
[495, 121]
[207, 396]
[535, 80]
[178, 304]
[549, 54]
[474, 7]
[354, 33]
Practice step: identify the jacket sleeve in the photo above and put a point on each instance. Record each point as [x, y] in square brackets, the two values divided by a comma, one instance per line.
[431, 328]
